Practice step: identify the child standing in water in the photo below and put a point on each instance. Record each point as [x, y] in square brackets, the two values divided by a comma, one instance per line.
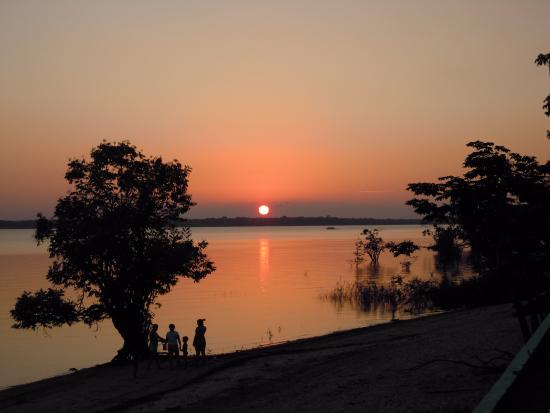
[199, 342]
[173, 342]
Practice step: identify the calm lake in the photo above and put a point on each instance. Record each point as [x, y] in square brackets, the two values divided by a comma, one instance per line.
[266, 289]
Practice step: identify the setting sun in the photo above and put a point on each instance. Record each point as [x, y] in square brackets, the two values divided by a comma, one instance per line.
[263, 210]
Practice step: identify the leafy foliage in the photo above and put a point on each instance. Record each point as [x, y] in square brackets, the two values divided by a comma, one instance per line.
[47, 308]
[447, 243]
[499, 208]
[406, 247]
[114, 243]
[373, 244]
[358, 252]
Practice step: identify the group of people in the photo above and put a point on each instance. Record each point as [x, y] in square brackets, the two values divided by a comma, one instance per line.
[173, 343]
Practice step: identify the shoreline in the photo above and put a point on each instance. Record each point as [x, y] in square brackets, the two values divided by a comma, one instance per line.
[424, 362]
[163, 354]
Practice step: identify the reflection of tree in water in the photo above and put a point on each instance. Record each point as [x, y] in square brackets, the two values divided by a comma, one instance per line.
[373, 270]
[457, 266]
[370, 272]
[400, 275]
[411, 296]
[388, 287]
[426, 264]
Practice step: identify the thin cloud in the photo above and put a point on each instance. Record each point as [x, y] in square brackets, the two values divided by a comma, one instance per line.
[375, 191]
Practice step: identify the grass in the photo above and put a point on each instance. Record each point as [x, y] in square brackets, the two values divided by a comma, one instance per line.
[415, 296]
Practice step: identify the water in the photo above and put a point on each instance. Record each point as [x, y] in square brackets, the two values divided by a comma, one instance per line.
[266, 289]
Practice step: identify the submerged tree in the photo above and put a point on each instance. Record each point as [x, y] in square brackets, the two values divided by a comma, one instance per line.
[358, 252]
[114, 244]
[499, 208]
[373, 244]
[406, 248]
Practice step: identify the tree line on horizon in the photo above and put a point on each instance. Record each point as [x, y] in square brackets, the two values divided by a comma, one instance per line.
[254, 221]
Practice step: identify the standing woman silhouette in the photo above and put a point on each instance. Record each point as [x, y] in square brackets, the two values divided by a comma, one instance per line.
[199, 342]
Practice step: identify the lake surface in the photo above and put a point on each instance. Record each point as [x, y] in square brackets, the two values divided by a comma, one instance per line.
[266, 289]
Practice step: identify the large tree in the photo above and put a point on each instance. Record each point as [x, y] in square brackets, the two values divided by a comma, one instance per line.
[499, 208]
[115, 245]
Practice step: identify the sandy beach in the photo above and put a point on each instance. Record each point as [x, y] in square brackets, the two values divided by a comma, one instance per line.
[439, 363]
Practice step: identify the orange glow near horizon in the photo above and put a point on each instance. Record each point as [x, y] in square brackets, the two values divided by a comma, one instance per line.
[318, 109]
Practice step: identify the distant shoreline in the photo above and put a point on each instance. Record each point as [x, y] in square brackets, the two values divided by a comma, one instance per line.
[256, 222]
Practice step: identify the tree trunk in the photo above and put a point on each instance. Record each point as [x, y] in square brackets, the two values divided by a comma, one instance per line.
[131, 328]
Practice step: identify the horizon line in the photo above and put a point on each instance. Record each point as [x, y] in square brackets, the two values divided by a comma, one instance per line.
[262, 218]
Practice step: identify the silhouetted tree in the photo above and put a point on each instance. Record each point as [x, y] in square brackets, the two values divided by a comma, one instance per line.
[406, 248]
[114, 244]
[447, 244]
[544, 60]
[499, 208]
[373, 244]
[358, 252]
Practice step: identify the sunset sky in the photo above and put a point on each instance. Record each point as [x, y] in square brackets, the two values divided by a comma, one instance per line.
[310, 107]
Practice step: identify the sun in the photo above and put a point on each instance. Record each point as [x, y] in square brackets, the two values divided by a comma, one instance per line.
[263, 210]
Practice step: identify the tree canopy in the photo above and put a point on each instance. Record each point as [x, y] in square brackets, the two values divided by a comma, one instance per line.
[406, 248]
[373, 245]
[114, 244]
[499, 208]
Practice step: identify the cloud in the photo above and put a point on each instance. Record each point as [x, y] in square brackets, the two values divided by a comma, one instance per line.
[374, 191]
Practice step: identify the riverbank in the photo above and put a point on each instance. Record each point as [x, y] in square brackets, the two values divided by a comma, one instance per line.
[440, 363]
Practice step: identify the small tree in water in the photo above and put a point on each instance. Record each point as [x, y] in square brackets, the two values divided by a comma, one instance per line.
[114, 244]
[358, 252]
[373, 244]
[406, 248]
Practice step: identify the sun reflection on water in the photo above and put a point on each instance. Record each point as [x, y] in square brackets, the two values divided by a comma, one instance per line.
[264, 263]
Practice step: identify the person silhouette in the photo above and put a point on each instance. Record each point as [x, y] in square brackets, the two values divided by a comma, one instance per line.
[184, 341]
[154, 340]
[199, 342]
[173, 343]
[184, 351]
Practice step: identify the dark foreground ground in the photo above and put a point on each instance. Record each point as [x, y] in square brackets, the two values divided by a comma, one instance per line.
[442, 363]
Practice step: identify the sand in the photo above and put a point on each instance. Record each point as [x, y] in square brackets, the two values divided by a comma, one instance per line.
[438, 363]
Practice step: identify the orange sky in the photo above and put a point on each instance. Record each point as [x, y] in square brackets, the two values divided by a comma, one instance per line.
[312, 107]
